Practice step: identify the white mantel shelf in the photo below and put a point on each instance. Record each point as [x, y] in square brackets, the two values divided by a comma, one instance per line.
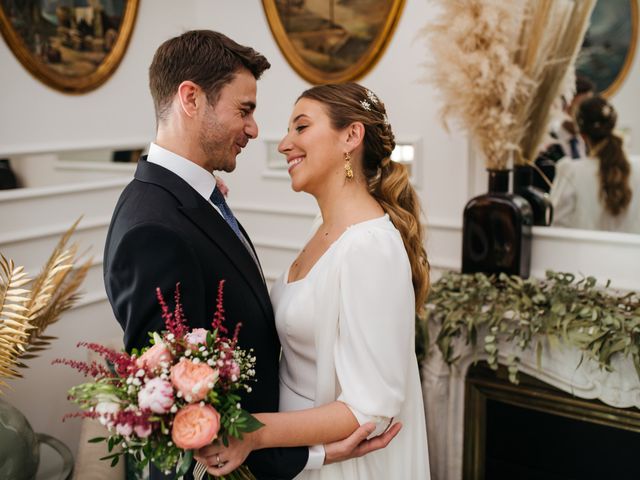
[561, 366]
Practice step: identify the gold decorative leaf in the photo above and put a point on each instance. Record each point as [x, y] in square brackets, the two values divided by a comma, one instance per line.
[28, 306]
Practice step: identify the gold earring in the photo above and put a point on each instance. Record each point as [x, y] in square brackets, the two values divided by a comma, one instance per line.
[348, 171]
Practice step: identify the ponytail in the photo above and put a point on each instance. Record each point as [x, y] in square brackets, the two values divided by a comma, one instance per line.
[393, 190]
[615, 170]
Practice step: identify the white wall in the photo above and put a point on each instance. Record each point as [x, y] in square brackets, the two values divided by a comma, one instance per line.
[35, 118]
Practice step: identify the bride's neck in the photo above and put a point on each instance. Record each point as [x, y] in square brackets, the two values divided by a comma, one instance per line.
[346, 204]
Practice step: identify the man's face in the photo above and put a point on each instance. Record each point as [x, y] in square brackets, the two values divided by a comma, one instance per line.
[227, 127]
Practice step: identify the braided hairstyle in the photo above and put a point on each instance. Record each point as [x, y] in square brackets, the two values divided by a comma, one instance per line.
[388, 181]
[596, 119]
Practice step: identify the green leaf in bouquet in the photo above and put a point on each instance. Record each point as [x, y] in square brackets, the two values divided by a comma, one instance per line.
[250, 423]
[185, 463]
[114, 461]
[109, 457]
[97, 439]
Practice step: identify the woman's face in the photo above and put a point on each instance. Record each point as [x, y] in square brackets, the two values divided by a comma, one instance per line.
[314, 149]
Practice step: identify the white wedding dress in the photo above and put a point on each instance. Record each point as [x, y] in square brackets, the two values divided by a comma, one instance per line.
[347, 333]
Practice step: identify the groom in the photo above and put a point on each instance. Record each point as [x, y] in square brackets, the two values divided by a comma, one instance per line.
[172, 224]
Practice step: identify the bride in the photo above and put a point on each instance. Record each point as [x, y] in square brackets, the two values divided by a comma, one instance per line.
[345, 309]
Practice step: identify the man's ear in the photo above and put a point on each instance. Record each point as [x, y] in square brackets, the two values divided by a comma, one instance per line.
[354, 135]
[189, 97]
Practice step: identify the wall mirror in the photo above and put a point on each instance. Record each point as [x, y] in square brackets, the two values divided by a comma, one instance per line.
[332, 41]
[71, 45]
[609, 45]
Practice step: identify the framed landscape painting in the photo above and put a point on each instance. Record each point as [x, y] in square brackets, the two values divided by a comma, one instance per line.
[332, 40]
[70, 45]
[609, 44]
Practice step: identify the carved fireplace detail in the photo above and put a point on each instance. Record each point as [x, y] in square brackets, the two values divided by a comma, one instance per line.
[446, 390]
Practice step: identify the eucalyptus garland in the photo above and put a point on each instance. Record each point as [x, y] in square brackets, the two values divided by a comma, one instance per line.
[561, 308]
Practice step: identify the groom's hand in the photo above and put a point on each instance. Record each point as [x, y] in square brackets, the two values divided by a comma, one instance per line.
[357, 445]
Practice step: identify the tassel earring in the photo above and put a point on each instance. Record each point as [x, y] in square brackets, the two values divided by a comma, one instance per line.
[348, 171]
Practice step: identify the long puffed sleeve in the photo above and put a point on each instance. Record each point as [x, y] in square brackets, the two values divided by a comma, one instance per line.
[376, 326]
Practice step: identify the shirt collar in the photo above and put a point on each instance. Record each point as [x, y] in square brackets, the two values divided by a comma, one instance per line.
[197, 177]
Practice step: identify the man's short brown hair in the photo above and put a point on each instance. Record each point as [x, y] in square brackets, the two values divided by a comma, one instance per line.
[207, 58]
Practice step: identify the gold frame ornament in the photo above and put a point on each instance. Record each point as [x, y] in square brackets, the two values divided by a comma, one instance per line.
[325, 38]
[36, 63]
[614, 85]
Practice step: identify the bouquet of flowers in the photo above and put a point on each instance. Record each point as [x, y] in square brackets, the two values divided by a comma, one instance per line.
[174, 397]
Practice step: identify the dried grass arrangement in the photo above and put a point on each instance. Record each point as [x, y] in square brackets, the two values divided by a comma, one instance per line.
[500, 65]
[28, 306]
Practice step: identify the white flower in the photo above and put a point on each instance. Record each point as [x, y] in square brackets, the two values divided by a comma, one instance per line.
[372, 96]
[156, 395]
[366, 105]
[106, 411]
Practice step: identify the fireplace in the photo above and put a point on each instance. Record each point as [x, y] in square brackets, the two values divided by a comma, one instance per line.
[534, 431]
[567, 418]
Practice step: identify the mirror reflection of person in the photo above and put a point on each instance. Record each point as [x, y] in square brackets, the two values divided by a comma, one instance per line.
[345, 309]
[566, 139]
[601, 191]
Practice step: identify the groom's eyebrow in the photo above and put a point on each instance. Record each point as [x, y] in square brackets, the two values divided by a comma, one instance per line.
[249, 104]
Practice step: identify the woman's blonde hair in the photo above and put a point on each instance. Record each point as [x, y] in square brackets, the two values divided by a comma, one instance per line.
[388, 181]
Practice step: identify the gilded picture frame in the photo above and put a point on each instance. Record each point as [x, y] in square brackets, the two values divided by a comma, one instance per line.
[332, 41]
[610, 44]
[72, 46]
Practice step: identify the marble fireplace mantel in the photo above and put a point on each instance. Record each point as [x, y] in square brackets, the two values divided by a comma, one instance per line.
[561, 366]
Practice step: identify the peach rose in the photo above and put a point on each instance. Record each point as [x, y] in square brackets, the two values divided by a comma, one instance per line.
[155, 356]
[193, 380]
[195, 426]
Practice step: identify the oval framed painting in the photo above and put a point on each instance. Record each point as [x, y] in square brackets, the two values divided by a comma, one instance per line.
[332, 41]
[609, 45]
[71, 45]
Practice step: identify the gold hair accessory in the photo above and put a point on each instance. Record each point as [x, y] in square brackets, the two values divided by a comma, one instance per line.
[348, 171]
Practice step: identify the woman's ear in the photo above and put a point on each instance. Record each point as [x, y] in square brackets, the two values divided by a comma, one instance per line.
[354, 135]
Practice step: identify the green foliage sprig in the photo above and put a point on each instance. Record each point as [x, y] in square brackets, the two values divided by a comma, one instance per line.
[501, 308]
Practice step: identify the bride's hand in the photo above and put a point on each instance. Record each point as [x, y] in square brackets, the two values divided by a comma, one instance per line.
[221, 460]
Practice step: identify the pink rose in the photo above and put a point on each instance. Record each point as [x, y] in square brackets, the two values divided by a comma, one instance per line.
[197, 336]
[193, 380]
[155, 356]
[156, 395]
[195, 426]
[142, 431]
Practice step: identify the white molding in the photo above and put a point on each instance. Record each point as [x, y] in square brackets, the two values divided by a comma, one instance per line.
[90, 299]
[277, 244]
[66, 146]
[587, 236]
[86, 166]
[276, 174]
[49, 191]
[25, 235]
[443, 224]
[271, 209]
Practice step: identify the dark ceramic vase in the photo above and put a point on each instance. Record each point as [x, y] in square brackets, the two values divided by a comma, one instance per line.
[538, 199]
[496, 232]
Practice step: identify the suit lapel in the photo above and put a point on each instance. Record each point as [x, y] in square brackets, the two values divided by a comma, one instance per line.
[218, 231]
[203, 216]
